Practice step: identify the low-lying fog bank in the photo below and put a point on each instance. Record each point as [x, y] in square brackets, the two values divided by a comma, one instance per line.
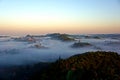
[48, 48]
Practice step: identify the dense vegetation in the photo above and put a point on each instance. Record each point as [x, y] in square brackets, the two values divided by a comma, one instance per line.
[62, 37]
[87, 66]
[23, 72]
[92, 37]
[80, 44]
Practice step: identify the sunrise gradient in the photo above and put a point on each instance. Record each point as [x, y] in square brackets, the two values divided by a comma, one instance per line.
[19, 17]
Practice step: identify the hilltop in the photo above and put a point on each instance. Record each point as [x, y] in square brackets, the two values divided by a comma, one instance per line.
[87, 66]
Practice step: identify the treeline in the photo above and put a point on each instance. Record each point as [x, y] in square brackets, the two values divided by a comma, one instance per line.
[87, 66]
[62, 37]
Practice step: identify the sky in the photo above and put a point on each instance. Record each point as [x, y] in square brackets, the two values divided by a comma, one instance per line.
[20, 17]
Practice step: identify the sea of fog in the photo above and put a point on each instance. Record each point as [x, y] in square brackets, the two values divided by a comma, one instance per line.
[21, 52]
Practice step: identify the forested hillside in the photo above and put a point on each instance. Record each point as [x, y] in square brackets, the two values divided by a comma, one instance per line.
[87, 66]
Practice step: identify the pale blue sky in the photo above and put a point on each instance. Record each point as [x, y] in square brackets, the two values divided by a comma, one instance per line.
[78, 12]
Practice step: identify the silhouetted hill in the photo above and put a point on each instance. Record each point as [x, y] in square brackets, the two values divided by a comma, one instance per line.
[62, 37]
[87, 66]
[80, 44]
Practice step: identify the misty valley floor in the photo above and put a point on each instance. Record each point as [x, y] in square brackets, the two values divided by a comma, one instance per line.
[48, 48]
[28, 52]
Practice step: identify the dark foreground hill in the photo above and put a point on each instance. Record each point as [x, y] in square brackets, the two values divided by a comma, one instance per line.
[87, 66]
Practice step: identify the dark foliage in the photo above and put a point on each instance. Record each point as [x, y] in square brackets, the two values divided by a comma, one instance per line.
[23, 72]
[88, 66]
[80, 44]
[62, 37]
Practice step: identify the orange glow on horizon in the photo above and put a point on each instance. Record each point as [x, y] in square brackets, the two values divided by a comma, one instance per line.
[76, 27]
